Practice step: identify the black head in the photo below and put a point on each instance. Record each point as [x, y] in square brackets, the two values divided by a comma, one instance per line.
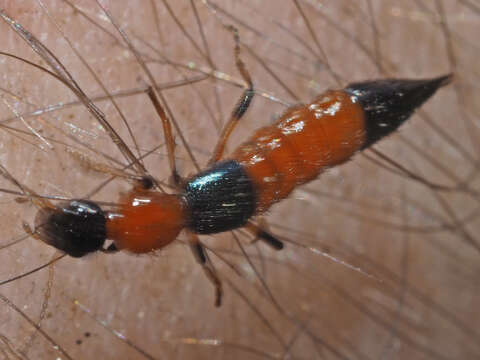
[388, 103]
[78, 228]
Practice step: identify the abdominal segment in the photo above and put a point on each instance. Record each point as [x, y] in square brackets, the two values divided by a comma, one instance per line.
[303, 142]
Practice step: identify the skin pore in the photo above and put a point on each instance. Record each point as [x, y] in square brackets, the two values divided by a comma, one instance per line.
[378, 264]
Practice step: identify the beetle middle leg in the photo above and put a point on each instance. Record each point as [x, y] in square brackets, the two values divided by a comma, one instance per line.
[199, 252]
[242, 104]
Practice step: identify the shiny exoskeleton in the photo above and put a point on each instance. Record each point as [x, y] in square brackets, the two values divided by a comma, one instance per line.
[303, 142]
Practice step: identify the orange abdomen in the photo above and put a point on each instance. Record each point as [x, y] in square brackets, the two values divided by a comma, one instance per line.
[303, 142]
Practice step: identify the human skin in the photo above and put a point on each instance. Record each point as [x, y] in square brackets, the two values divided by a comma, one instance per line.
[376, 265]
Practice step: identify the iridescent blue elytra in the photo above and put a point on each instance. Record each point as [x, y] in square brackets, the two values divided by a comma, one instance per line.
[219, 199]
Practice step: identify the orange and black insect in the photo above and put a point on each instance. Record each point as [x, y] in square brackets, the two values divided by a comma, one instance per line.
[303, 142]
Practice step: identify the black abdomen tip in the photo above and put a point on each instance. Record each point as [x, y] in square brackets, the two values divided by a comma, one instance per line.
[388, 103]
